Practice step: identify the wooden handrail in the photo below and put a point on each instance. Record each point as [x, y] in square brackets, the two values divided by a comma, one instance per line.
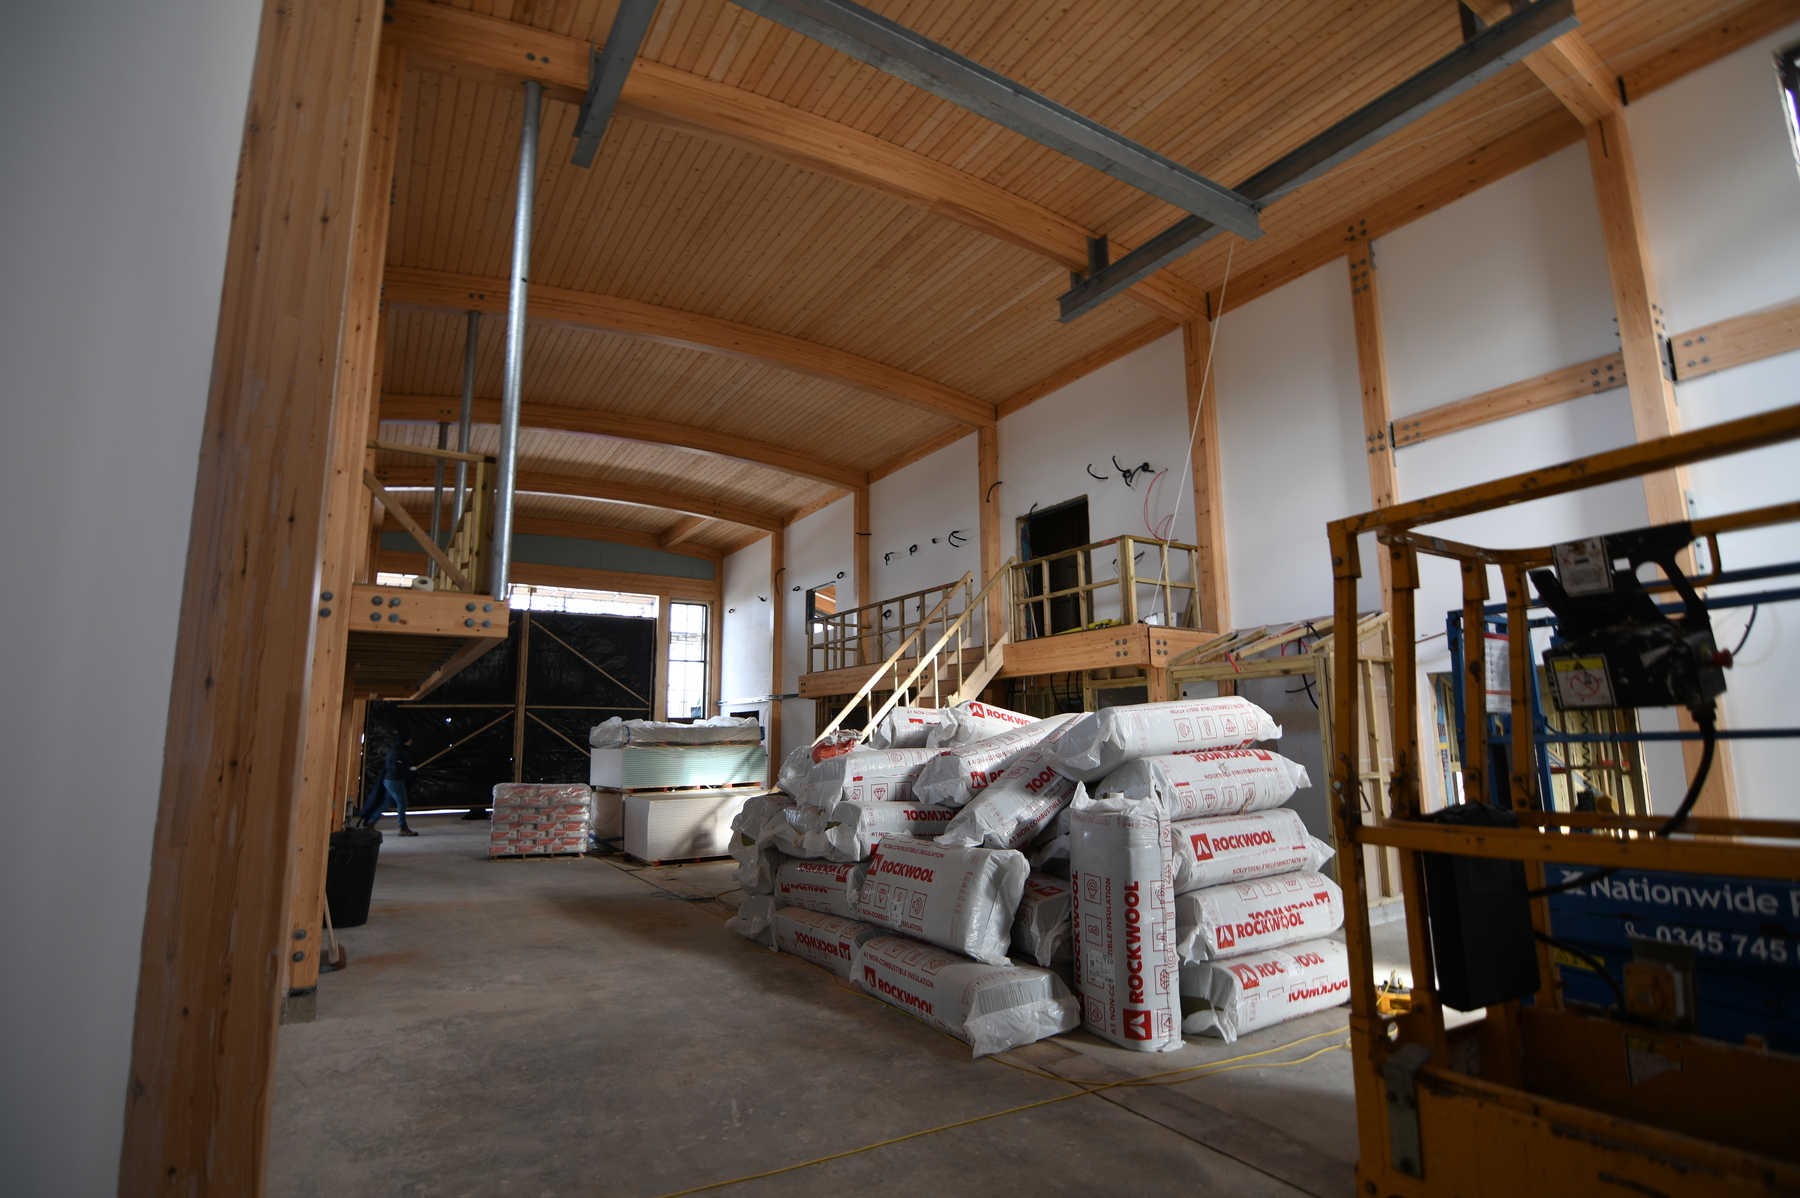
[925, 659]
[892, 660]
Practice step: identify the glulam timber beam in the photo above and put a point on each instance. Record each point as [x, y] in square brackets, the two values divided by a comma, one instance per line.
[683, 530]
[470, 45]
[407, 287]
[431, 409]
[540, 526]
[1568, 66]
[581, 486]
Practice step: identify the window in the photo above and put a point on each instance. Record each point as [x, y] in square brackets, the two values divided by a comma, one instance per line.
[687, 660]
[587, 603]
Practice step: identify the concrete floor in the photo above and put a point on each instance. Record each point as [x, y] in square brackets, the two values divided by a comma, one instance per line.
[583, 1026]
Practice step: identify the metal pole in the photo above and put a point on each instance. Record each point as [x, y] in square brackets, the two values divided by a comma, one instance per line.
[437, 486]
[515, 339]
[470, 345]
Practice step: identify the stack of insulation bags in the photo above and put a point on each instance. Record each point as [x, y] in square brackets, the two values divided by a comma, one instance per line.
[943, 869]
[1198, 901]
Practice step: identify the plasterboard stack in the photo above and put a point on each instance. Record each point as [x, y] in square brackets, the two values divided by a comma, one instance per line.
[666, 791]
[531, 819]
[955, 862]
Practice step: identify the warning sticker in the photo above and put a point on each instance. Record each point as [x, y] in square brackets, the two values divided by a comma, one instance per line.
[1582, 682]
[1583, 567]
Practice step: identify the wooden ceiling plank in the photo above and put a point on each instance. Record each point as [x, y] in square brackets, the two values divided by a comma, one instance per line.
[558, 418]
[546, 483]
[918, 453]
[1156, 330]
[406, 286]
[470, 46]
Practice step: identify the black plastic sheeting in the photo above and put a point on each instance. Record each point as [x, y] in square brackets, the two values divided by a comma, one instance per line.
[483, 694]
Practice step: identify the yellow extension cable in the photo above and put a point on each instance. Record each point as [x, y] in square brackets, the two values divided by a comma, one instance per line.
[1172, 1078]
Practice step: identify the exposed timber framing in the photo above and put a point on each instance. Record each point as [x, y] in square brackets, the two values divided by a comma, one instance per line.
[408, 287]
[1209, 490]
[1082, 367]
[430, 409]
[987, 477]
[615, 492]
[683, 530]
[197, 1111]
[581, 577]
[1372, 376]
[346, 533]
[584, 531]
[918, 453]
[470, 45]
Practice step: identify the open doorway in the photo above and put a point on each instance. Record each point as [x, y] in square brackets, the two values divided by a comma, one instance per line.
[1043, 533]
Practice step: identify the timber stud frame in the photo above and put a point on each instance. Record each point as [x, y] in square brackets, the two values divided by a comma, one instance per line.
[1552, 1086]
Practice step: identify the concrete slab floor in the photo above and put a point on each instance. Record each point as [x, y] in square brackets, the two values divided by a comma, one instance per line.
[577, 1026]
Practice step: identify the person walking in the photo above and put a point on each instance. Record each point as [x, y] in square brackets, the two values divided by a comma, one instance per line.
[390, 786]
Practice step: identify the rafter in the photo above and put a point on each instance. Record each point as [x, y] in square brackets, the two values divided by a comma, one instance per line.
[409, 287]
[615, 492]
[583, 531]
[556, 418]
[463, 43]
[683, 530]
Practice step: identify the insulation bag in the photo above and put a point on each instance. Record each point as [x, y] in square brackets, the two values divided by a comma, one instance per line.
[877, 775]
[969, 722]
[795, 831]
[850, 830]
[756, 822]
[828, 886]
[1232, 998]
[959, 774]
[1015, 809]
[1041, 928]
[990, 1007]
[829, 941]
[755, 919]
[1101, 741]
[1236, 848]
[1250, 917]
[959, 898]
[906, 728]
[1210, 781]
[756, 872]
[1124, 922]
[791, 778]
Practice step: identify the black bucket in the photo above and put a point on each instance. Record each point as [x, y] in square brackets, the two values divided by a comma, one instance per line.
[350, 875]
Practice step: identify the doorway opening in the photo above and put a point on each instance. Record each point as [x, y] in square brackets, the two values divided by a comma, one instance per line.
[1050, 531]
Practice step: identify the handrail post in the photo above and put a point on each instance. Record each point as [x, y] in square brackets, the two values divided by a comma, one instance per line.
[1128, 609]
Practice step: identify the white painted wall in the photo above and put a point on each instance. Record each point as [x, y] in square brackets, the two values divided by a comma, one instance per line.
[745, 640]
[931, 498]
[114, 207]
[1720, 251]
[818, 550]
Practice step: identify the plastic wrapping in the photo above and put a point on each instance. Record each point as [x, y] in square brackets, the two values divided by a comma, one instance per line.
[1251, 917]
[1100, 742]
[1236, 848]
[850, 830]
[1124, 922]
[757, 821]
[1232, 998]
[1210, 781]
[878, 775]
[828, 886]
[958, 898]
[1012, 811]
[969, 722]
[533, 818]
[906, 727]
[755, 919]
[829, 941]
[616, 733]
[959, 774]
[796, 832]
[756, 870]
[791, 777]
[990, 1007]
[1041, 928]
